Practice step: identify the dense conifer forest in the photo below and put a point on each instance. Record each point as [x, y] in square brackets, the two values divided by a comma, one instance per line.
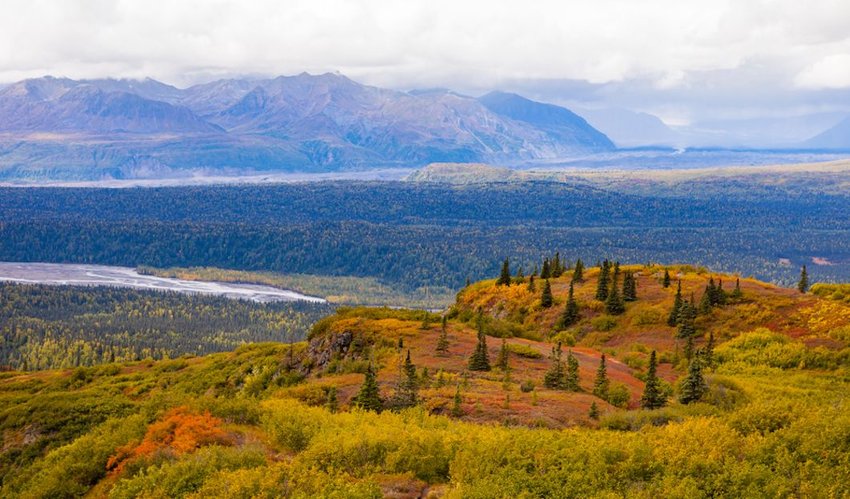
[49, 327]
[415, 235]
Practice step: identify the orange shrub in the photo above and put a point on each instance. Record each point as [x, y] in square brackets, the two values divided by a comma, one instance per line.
[180, 431]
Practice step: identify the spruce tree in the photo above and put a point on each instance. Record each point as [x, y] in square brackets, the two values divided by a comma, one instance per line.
[629, 287]
[557, 269]
[570, 315]
[369, 396]
[443, 339]
[601, 383]
[531, 286]
[480, 360]
[705, 301]
[803, 285]
[545, 271]
[720, 295]
[689, 348]
[503, 359]
[571, 381]
[614, 303]
[505, 276]
[708, 351]
[546, 299]
[457, 409]
[331, 402]
[555, 377]
[687, 316]
[578, 272]
[407, 390]
[594, 411]
[693, 387]
[673, 318]
[666, 281]
[653, 396]
[602, 283]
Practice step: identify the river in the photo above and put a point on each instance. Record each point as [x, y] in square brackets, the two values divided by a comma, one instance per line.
[102, 275]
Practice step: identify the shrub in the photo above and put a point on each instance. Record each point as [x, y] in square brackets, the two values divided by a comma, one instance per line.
[604, 323]
[619, 395]
[524, 351]
[526, 386]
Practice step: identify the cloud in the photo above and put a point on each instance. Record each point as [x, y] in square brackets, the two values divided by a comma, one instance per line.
[682, 59]
[833, 71]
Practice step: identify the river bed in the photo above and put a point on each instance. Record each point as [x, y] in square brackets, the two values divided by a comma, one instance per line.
[73, 274]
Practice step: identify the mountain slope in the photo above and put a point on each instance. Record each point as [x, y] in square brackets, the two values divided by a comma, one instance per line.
[559, 123]
[291, 123]
[837, 137]
[277, 420]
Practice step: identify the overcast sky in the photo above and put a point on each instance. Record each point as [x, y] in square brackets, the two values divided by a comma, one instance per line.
[682, 60]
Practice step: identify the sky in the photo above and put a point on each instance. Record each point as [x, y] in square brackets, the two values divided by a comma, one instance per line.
[688, 62]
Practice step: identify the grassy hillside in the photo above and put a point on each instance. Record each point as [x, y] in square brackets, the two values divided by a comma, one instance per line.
[272, 420]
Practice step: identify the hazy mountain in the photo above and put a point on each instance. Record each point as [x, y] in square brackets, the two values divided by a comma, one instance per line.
[770, 132]
[62, 128]
[836, 137]
[559, 123]
[60, 105]
[631, 129]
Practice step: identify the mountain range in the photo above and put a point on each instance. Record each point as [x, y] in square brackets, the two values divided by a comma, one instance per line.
[58, 128]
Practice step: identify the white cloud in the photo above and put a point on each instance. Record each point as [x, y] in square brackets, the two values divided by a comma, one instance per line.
[410, 42]
[683, 59]
[832, 71]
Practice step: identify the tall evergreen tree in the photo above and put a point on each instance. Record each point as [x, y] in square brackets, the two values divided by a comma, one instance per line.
[720, 295]
[369, 396]
[601, 384]
[505, 276]
[443, 339]
[570, 315]
[407, 390]
[705, 302]
[578, 271]
[531, 286]
[803, 285]
[666, 281]
[603, 281]
[555, 377]
[503, 359]
[546, 270]
[687, 316]
[546, 299]
[571, 381]
[708, 351]
[480, 360]
[557, 268]
[653, 395]
[693, 387]
[629, 287]
[673, 318]
[614, 303]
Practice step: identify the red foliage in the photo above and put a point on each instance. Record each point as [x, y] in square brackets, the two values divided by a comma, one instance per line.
[180, 431]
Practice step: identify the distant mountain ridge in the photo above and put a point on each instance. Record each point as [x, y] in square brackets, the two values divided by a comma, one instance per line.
[60, 128]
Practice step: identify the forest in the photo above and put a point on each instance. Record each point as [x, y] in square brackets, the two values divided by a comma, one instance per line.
[49, 327]
[412, 235]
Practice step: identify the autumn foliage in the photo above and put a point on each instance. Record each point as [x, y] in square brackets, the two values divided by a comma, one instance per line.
[180, 431]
